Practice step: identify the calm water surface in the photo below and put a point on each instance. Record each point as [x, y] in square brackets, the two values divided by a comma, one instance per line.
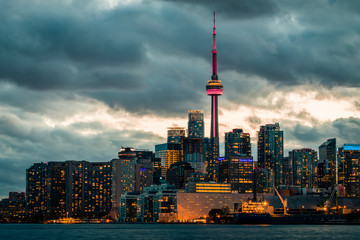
[178, 231]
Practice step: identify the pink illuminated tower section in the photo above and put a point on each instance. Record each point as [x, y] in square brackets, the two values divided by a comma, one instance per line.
[214, 88]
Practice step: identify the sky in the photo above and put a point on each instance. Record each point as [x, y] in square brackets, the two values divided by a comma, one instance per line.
[81, 79]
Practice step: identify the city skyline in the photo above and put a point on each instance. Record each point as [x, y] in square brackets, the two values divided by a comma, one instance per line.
[74, 76]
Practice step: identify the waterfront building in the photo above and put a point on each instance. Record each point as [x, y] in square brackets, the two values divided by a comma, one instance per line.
[196, 206]
[237, 143]
[327, 163]
[238, 171]
[36, 191]
[165, 204]
[214, 88]
[303, 164]
[193, 152]
[56, 182]
[12, 209]
[196, 124]
[128, 207]
[88, 188]
[270, 150]
[349, 169]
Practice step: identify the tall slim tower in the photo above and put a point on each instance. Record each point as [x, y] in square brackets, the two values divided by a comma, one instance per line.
[214, 88]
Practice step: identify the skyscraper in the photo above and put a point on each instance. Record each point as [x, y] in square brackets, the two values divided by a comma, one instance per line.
[327, 163]
[349, 170]
[237, 143]
[214, 88]
[270, 149]
[196, 124]
[303, 167]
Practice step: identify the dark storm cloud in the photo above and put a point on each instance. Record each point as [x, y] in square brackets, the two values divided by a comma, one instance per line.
[345, 130]
[22, 143]
[236, 9]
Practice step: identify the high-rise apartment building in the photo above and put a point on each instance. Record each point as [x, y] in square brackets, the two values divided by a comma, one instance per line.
[70, 188]
[303, 168]
[349, 169]
[196, 124]
[237, 143]
[327, 164]
[270, 150]
[36, 190]
[214, 88]
[239, 171]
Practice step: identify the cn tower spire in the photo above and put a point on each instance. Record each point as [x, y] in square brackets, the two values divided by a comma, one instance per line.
[214, 75]
[214, 88]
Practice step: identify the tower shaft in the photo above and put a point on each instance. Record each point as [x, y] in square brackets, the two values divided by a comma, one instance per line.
[214, 88]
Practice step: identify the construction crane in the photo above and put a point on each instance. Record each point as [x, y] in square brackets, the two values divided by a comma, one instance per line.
[283, 201]
[330, 199]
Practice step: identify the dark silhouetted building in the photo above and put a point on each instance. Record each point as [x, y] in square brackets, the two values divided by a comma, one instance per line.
[327, 164]
[264, 180]
[237, 143]
[193, 152]
[178, 174]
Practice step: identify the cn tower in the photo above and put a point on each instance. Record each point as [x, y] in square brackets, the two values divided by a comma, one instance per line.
[214, 88]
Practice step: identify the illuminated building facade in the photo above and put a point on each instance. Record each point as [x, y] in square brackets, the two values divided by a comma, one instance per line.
[12, 209]
[143, 174]
[193, 152]
[208, 187]
[303, 164]
[36, 190]
[88, 188]
[175, 134]
[327, 164]
[127, 158]
[237, 143]
[165, 205]
[97, 188]
[214, 88]
[169, 153]
[238, 171]
[196, 124]
[191, 206]
[270, 149]
[349, 169]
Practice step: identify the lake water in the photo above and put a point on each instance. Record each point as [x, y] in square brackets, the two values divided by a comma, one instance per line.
[176, 231]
